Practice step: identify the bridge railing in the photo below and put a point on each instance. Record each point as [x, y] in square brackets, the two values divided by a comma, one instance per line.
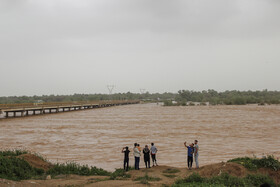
[57, 104]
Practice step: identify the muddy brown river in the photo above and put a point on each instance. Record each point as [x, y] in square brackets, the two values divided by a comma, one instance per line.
[95, 137]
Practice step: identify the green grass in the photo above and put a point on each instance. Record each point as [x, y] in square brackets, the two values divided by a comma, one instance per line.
[224, 180]
[171, 170]
[14, 168]
[15, 152]
[74, 168]
[169, 176]
[119, 174]
[146, 178]
[256, 163]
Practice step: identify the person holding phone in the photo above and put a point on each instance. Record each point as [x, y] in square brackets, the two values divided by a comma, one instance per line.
[126, 151]
[190, 154]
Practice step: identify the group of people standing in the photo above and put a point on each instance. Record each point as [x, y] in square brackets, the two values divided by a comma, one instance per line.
[193, 149]
[137, 154]
[192, 152]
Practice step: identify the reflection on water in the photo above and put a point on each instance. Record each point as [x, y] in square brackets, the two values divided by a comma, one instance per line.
[95, 137]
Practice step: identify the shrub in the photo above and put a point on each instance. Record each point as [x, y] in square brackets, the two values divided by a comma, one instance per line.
[15, 152]
[73, 168]
[119, 174]
[224, 180]
[255, 163]
[167, 103]
[13, 168]
[146, 178]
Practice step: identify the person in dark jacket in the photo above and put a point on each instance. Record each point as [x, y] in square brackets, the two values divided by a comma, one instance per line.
[146, 152]
[126, 158]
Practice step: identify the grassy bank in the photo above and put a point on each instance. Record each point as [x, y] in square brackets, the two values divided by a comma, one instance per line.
[256, 163]
[224, 180]
[14, 167]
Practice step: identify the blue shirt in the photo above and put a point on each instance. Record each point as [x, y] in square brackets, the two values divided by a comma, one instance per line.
[190, 151]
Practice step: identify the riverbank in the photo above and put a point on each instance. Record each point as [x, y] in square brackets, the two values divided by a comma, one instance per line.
[39, 172]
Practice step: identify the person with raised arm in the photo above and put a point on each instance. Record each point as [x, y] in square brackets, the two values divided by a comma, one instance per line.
[126, 151]
[190, 154]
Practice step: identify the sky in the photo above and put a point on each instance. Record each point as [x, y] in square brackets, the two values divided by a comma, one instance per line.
[81, 46]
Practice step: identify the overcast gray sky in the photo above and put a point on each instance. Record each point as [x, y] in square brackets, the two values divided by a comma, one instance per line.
[81, 46]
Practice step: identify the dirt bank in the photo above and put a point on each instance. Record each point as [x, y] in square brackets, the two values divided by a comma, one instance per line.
[166, 175]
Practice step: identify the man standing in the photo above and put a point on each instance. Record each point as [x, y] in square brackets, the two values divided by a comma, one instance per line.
[136, 156]
[153, 154]
[190, 154]
[196, 149]
[126, 158]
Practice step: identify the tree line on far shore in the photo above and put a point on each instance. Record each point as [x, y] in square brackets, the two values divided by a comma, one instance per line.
[233, 97]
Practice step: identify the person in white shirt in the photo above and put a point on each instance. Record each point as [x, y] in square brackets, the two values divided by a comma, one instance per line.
[153, 154]
[137, 155]
[196, 149]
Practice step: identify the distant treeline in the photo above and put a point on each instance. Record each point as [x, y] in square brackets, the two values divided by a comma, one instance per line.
[233, 97]
[88, 97]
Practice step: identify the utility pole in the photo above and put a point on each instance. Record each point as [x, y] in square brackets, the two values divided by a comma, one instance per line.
[142, 91]
[110, 89]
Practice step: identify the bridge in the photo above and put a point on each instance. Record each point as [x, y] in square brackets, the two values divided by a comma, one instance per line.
[27, 109]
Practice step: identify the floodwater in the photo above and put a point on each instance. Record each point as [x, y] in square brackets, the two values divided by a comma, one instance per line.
[96, 137]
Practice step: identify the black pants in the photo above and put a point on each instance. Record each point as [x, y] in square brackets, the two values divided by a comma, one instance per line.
[190, 161]
[125, 164]
[147, 162]
[154, 158]
[137, 160]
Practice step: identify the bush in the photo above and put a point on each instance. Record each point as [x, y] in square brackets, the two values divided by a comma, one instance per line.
[167, 103]
[145, 179]
[224, 180]
[15, 152]
[73, 168]
[255, 163]
[119, 174]
[13, 168]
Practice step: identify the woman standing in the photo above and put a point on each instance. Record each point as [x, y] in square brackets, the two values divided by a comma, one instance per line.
[146, 152]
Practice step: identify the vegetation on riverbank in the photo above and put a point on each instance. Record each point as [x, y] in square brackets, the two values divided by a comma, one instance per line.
[233, 97]
[257, 163]
[224, 180]
[16, 165]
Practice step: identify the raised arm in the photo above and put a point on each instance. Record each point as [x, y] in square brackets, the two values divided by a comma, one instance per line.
[185, 144]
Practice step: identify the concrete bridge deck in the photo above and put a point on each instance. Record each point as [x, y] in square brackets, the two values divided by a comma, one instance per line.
[26, 109]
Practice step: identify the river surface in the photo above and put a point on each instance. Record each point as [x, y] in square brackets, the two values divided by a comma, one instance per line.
[96, 137]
